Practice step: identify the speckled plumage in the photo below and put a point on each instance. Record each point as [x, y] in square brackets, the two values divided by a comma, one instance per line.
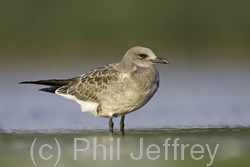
[86, 87]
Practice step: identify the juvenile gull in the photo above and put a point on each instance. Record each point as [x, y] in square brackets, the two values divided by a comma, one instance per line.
[112, 90]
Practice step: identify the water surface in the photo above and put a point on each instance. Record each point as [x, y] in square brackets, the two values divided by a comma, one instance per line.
[145, 145]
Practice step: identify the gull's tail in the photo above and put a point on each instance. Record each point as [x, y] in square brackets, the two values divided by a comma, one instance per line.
[53, 83]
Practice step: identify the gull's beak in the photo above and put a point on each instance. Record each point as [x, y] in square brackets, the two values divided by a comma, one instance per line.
[160, 60]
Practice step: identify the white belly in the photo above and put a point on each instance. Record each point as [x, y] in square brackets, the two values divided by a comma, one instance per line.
[86, 106]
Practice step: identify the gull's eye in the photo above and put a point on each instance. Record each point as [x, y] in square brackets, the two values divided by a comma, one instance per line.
[142, 55]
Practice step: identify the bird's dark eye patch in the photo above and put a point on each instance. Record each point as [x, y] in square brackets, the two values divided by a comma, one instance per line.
[142, 55]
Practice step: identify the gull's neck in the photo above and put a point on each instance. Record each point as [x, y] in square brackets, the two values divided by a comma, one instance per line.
[128, 66]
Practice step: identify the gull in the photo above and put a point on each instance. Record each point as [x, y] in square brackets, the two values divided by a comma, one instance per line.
[112, 90]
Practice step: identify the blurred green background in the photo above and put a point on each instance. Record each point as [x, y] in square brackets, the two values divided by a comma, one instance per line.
[29, 27]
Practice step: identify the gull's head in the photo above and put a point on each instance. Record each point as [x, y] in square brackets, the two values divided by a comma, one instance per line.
[143, 57]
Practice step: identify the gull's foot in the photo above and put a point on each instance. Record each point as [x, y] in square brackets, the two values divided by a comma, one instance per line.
[122, 125]
[111, 125]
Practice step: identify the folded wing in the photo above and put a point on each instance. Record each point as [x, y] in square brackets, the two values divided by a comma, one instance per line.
[87, 86]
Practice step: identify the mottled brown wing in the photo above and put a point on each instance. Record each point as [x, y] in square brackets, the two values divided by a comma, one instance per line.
[87, 86]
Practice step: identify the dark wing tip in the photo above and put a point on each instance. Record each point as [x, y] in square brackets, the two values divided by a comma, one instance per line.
[49, 89]
[26, 82]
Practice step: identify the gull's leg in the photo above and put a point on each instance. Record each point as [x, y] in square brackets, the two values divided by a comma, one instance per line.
[122, 124]
[111, 125]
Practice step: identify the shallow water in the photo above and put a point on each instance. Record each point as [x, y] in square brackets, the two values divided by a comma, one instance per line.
[145, 145]
[186, 97]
